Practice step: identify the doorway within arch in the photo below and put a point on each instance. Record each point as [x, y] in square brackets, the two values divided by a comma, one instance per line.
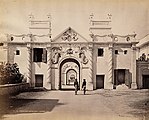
[69, 71]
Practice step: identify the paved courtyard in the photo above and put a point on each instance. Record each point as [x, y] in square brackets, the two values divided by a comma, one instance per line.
[64, 105]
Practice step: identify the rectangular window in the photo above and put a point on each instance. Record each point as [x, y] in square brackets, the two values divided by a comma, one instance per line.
[100, 52]
[125, 51]
[40, 55]
[1, 44]
[116, 51]
[17, 52]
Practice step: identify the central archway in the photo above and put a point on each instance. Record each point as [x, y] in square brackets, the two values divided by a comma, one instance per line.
[69, 70]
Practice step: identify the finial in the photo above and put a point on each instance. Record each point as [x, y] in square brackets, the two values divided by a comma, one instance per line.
[31, 16]
[109, 16]
[91, 16]
[49, 16]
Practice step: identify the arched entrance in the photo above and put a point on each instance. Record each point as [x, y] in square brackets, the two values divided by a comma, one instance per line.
[71, 74]
[145, 78]
[69, 71]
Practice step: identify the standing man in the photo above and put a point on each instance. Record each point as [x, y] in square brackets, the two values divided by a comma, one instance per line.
[76, 86]
[84, 86]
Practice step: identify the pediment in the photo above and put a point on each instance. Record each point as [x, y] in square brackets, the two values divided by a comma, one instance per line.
[69, 35]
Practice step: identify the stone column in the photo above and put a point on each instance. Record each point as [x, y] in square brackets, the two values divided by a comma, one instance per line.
[49, 72]
[110, 67]
[133, 67]
[29, 64]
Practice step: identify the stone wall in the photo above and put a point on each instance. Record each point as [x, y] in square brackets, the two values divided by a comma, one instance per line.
[12, 89]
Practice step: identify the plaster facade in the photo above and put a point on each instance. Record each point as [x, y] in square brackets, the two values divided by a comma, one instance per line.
[105, 60]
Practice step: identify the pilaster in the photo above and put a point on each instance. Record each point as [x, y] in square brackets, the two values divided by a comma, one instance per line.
[90, 52]
[133, 67]
[49, 72]
[94, 65]
[29, 64]
[110, 67]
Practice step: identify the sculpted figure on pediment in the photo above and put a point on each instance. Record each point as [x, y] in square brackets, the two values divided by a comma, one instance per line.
[142, 57]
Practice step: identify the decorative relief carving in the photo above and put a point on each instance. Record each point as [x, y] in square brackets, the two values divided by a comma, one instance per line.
[56, 54]
[90, 46]
[82, 55]
[69, 35]
[69, 51]
[66, 66]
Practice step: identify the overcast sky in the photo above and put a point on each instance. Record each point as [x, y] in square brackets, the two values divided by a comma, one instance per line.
[128, 16]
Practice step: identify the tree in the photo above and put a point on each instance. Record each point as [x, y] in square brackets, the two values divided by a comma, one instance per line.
[10, 74]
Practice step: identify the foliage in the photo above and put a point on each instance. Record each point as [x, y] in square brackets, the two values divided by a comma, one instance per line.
[10, 74]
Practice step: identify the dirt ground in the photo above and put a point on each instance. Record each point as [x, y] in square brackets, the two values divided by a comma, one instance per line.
[65, 105]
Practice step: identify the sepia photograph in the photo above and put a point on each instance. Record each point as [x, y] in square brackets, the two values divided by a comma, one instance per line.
[74, 60]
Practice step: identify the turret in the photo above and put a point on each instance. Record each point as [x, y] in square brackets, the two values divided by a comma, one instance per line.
[100, 27]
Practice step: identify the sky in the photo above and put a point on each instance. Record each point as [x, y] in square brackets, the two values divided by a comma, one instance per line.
[128, 16]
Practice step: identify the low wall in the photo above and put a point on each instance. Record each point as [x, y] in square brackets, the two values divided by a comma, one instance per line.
[12, 89]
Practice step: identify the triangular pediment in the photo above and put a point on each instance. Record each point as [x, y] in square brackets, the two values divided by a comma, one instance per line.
[69, 35]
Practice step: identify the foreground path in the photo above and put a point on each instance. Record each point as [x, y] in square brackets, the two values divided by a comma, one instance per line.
[64, 105]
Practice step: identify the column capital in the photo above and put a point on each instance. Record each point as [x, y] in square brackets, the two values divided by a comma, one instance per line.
[90, 47]
[28, 45]
[49, 46]
[134, 47]
[111, 46]
[5, 46]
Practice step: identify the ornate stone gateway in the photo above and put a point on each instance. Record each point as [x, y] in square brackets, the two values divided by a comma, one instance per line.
[71, 58]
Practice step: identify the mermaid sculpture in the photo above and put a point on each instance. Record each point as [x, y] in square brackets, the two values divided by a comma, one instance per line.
[83, 56]
[56, 55]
